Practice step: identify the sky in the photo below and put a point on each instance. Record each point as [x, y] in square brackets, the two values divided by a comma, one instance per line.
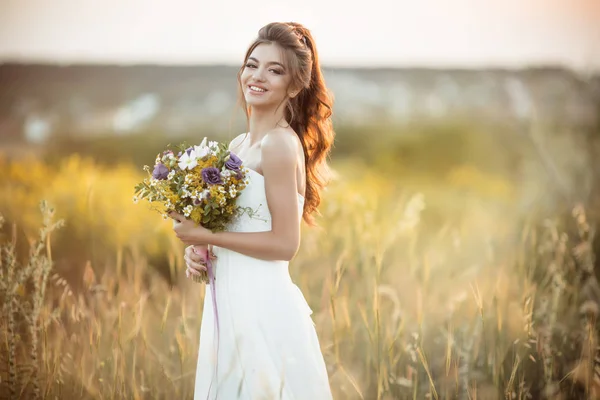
[374, 33]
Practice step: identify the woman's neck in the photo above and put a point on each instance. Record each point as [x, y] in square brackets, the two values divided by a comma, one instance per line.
[261, 122]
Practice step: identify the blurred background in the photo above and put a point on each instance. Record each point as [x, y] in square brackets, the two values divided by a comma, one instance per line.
[455, 253]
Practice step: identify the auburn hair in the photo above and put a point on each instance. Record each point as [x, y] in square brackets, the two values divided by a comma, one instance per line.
[309, 112]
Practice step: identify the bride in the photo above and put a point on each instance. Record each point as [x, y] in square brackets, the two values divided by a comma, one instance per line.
[262, 343]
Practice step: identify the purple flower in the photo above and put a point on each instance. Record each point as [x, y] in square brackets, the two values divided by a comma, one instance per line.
[161, 172]
[188, 151]
[233, 163]
[212, 176]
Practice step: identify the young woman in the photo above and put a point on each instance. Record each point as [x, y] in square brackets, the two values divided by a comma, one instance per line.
[265, 345]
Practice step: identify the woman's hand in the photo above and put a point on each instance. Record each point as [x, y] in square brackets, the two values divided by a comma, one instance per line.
[188, 232]
[195, 261]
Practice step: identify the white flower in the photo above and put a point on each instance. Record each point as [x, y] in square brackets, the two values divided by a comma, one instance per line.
[204, 194]
[201, 151]
[232, 191]
[187, 210]
[171, 175]
[188, 160]
[213, 147]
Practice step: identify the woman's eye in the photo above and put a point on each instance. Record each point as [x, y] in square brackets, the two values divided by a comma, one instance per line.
[276, 71]
[250, 66]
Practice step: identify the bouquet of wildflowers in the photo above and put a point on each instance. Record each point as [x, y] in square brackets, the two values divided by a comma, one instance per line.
[201, 182]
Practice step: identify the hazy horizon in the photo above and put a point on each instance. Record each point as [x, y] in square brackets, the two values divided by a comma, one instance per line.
[463, 34]
[91, 63]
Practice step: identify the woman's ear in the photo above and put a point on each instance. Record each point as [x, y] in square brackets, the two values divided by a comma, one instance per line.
[293, 93]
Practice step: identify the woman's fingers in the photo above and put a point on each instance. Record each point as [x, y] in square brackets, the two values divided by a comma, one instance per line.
[195, 255]
[194, 265]
[189, 271]
[189, 252]
[195, 260]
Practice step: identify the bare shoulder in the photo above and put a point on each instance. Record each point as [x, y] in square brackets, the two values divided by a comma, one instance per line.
[236, 141]
[279, 147]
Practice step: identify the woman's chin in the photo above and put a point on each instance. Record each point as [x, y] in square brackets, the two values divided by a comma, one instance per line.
[257, 103]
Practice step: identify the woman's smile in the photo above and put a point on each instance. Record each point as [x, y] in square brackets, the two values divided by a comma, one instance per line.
[256, 89]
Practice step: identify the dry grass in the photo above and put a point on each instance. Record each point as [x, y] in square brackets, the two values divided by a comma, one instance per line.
[411, 300]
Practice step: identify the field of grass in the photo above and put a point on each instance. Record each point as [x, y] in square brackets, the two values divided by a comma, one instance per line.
[433, 283]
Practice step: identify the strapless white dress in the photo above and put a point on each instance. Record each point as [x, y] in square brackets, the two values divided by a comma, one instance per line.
[266, 346]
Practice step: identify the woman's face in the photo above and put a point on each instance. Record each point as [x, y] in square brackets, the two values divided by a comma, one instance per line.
[265, 79]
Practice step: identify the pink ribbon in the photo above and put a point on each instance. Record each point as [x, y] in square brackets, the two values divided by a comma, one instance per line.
[211, 281]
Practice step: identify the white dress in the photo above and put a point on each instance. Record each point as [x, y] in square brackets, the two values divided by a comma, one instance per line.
[267, 345]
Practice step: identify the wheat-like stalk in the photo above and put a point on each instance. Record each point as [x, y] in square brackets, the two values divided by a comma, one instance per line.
[465, 353]
[31, 304]
[41, 267]
[8, 293]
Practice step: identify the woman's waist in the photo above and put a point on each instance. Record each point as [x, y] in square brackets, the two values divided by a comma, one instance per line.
[233, 259]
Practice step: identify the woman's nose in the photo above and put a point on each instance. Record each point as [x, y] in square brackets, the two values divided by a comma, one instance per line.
[258, 75]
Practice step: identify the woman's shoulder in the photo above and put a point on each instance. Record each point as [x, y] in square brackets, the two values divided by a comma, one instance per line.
[282, 143]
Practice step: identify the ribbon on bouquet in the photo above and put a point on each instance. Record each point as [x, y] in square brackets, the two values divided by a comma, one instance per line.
[211, 280]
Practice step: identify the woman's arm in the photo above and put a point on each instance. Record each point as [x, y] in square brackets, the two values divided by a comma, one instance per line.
[279, 161]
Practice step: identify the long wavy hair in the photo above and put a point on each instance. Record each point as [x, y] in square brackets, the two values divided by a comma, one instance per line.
[308, 113]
